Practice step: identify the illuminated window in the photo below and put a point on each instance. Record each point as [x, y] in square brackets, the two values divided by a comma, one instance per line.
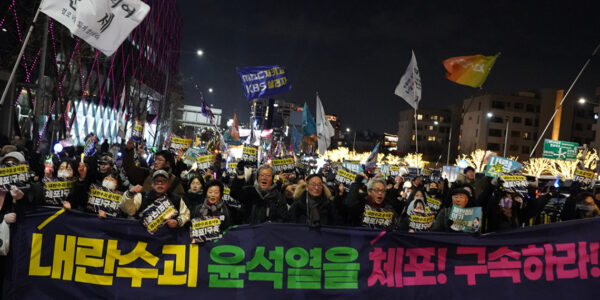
[419, 117]
[431, 127]
[431, 138]
[413, 137]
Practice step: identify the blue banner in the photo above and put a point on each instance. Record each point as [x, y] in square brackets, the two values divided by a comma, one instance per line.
[79, 256]
[263, 81]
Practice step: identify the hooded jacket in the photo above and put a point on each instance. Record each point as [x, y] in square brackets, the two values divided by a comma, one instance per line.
[325, 213]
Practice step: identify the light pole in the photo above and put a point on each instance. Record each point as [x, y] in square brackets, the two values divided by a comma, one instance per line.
[161, 124]
[505, 137]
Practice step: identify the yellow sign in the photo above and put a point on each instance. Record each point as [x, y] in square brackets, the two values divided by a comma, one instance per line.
[421, 219]
[205, 223]
[513, 178]
[13, 170]
[165, 215]
[283, 161]
[379, 215]
[346, 174]
[205, 158]
[59, 185]
[105, 195]
[584, 173]
[250, 150]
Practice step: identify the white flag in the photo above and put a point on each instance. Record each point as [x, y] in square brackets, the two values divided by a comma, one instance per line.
[324, 129]
[409, 87]
[104, 24]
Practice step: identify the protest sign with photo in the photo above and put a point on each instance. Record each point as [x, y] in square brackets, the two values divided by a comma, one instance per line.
[465, 219]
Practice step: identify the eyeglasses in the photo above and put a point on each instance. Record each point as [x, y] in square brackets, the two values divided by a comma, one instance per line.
[160, 181]
[377, 191]
[265, 175]
[316, 185]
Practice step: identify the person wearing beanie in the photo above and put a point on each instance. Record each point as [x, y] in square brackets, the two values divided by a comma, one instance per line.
[461, 197]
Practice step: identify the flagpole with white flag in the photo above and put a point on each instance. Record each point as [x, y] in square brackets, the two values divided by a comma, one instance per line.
[14, 70]
[324, 129]
[101, 23]
[410, 90]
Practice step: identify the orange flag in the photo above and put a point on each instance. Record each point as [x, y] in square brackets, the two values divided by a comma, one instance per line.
[469, 70]
[234, 130]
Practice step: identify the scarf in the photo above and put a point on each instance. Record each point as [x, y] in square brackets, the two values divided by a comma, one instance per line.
[212, 208]
[263, 194]
[312, 209]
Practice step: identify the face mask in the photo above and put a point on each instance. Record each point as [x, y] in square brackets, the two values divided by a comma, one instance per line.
[64, 174]
[506, 203]
[585, 207]
[109, 184]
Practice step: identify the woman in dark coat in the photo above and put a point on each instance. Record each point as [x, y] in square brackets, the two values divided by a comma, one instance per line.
[213, 205]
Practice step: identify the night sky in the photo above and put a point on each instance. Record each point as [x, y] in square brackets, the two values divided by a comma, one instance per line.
[354, 52]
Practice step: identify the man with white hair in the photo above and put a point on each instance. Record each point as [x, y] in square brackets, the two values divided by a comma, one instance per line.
[262, 200]
[372, 210]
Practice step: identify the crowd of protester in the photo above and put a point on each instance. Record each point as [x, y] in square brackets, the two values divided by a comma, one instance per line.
[255, 194]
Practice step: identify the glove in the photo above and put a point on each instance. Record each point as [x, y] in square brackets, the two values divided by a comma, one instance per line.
[10, 218]
[16, 193]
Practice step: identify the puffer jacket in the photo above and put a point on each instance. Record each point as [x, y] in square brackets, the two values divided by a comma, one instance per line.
[326, 207]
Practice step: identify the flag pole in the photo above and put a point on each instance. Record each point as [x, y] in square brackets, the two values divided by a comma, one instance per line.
[14, 70]
[564, 97]
[414, 88]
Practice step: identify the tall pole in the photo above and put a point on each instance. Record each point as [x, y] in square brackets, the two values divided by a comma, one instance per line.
[505, 137]
[354, 143]
[416, 134]
[564, 98]
[40, 97]
[449, 143]
[25, 42]
[161, 123]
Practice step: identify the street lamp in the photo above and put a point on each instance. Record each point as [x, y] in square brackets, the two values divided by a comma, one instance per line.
[581, 100]
[199, 52]
[490, 114]
[210, 90]
[436, 123]
[348, 129]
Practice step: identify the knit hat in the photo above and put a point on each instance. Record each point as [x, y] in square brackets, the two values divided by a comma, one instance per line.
[467, 169]
[15, 154]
